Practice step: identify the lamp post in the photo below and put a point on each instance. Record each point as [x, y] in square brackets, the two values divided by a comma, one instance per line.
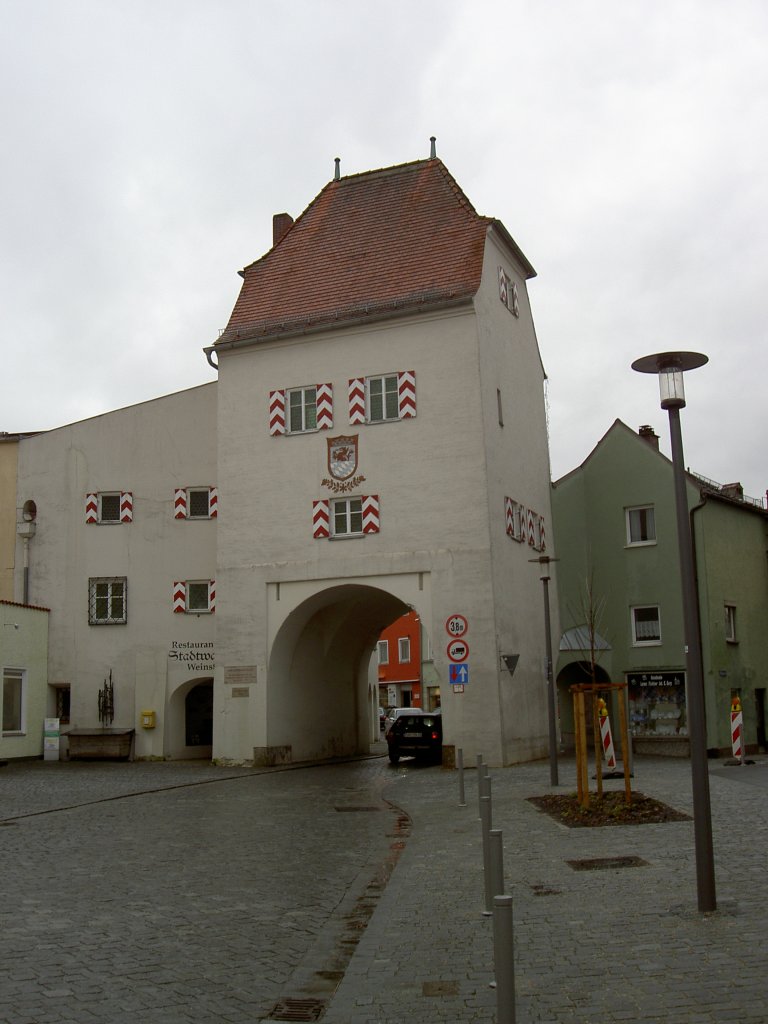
[670, 367]
[544, 560]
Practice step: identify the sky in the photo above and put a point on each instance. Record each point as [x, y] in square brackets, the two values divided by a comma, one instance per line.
[147, 144]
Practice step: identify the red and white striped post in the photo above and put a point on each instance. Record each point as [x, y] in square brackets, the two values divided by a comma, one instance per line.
[737, 729]
[605, 735]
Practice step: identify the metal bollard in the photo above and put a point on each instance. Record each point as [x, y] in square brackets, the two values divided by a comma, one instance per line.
[485, 830]
[460, 766]
[480, 776]
[504, 959]
[496, 850]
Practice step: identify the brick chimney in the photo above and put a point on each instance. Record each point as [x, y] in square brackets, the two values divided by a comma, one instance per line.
[281, 222]
[649, 434]
[734, 490]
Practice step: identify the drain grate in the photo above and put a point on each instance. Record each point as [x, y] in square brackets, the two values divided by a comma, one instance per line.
[607, 863]
[297, 1010]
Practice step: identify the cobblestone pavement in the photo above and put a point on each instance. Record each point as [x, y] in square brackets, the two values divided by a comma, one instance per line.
[176, 893]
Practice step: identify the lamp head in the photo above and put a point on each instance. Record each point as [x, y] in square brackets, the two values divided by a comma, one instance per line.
[670, 367]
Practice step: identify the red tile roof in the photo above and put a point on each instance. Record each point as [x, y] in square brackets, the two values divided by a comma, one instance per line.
[368, 246]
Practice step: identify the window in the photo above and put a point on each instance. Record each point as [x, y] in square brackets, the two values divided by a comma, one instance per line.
[499, 409]
[641, 525]
[646, 625]
[730, 623]
[13, 700]
[63, 694]
[302, 410]
[383, 398]
[404, 649]
[200, 503]
[194, 597]
[109, 507]
[347, 517]
[383, 649]
[107, 601]
[508, 292]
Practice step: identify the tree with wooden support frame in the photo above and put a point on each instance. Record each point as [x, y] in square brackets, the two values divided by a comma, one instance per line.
[580, 726]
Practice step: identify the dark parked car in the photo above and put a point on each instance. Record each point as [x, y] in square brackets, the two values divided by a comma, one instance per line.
[417, 735]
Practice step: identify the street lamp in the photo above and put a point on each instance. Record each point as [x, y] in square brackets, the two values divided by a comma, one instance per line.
[544, 560]
[670, 367]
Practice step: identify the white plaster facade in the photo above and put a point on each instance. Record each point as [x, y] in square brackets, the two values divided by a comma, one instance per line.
[297, 617]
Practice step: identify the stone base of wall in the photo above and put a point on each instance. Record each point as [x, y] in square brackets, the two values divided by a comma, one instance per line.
[662, 746]
[268, 757]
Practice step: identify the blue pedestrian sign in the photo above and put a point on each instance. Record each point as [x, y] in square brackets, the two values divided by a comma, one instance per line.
[458, 673]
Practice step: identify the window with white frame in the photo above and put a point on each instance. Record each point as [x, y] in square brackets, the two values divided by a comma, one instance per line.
[302, 409]
[383, 650]
[198, 595]
[646, 625]
[107, 604]
[404, 649]
[641, 525]
[347, 517]
[382, 398]
[199, 503]
[109, 508]
[730, 623]
[13, 700]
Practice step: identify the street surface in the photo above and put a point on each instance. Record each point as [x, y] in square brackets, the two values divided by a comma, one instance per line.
[182, 893]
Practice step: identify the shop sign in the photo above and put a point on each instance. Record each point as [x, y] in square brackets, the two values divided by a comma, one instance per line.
[654, 679]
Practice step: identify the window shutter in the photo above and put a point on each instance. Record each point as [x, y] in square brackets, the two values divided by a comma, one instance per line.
[212, 595]
[542, 535]
[180, 596]
[531, 528]
[213, 502]
[509, 517]
[321, 518]
[406, 394]
[91, 508]
[324, 406]
[357, 400]
[370, 513]
[277, 412]
[126, 507]
[180, 503]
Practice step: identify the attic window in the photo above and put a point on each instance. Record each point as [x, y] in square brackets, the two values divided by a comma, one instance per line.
[508, 292]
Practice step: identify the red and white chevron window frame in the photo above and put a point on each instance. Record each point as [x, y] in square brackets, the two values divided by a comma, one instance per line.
[356, 393]
[182, 506]
[406, 394]
[324, 406]
[278, 417]
[321, 516]
[523, 524]
[180, 598]
[93, 505]
[371, 513]
[321, 519]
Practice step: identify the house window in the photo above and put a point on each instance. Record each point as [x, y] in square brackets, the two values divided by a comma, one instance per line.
[199, 503]
[382, 397]
[404, 649]
[646, 625]
[198, 596]
[109, 508]
[730, 623]
[302, 410]
[13, 700]
[641, 525]
[63, 694]
[383, 649]
[347, 517]
[107, 605]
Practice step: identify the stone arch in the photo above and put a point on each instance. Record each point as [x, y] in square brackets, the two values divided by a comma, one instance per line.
[320, 702]
[189, 720]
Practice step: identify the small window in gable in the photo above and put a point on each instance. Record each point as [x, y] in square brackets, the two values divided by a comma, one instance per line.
[508, 292]
[641, 525]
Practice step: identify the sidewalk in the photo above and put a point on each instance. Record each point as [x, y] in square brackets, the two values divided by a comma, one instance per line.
[593, 947]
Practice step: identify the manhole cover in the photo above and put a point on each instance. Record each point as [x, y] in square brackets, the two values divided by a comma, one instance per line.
[298, 1010]
[607, 863]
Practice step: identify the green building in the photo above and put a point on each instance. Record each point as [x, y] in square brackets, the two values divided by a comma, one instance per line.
[619, 592]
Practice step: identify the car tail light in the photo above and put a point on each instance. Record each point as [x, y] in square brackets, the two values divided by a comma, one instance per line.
[435, 735]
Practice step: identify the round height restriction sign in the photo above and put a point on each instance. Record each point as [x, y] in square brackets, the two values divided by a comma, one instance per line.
[458, 650]
[456, 625]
